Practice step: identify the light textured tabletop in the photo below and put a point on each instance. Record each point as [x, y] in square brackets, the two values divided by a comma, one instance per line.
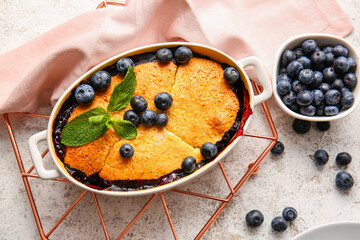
[291, 179]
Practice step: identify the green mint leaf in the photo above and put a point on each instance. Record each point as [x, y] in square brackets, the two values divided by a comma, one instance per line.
[123, 92]
[80, 131]
[96, 120]
[124, 129]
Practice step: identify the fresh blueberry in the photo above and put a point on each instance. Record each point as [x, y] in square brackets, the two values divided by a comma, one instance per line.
[84, 94]
[318, 58]
[231, 75]
[183, 55]
[100, 80]
[306, 76]
[321, 157]
[308, 110]
[278, 148]
[164, 55]
[283, 87]
[279, 224]
[189, 165]
[337, 84]
[331, 110]
[306, 62]
[294, 107]
[296, 86]
[282, 70]
[344, 89]
[352, 64]
[161, 120]
[324, 87]
[347, 99]
[163, 101]
[329, 74]
[287, 57]
[309, 46]
[344, 180]
[329, 59]
[340, 50]
[350, 80]
[320, 110]
[323, 126]
[283, 76]
[318, 97]
[332, 97]
[126, 151]
[301, 126]
[341, 64]
[132, 116]
[343, 159]
[318, 77]
[299, 52]
[289, 99]
[148, 118]
[254, 218]
[289, 213]
[294, 68]
[138, 103]
[304, 98]
[208, 150]
[123, 64]
[328, 49]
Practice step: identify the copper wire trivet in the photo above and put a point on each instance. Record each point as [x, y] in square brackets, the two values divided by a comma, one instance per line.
[253, 168]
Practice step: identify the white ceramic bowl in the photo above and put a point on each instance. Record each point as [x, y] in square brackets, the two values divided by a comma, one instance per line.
[202, 49]
[322, 40]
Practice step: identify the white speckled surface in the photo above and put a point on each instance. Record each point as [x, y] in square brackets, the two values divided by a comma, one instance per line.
[291, 179]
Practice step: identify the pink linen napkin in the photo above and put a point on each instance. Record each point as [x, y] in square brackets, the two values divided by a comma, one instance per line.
[39, 71]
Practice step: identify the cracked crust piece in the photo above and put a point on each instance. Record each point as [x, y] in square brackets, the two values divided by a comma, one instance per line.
[204, 106]
[157, 152]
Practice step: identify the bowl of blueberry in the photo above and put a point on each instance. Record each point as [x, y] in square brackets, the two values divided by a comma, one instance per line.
[315, 77]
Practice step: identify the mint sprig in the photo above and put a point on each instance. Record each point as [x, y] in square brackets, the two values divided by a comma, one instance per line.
[95, 122]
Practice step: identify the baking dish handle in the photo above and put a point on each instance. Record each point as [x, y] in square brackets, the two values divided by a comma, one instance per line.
[262, 76]
[38, 160]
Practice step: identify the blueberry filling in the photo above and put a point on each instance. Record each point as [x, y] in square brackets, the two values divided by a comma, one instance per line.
[95, 181]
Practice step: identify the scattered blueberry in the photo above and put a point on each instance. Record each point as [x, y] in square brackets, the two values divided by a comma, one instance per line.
[183, 55]
[278, 148]
[347, 99]
[254, 218]
[189, 165]
[304, 98]
[84, 94]
[231, 75]
[323, 126]
[329, 74]
[306, 76]
[132, 116]
[283, 87]
[290, 98]
[294, 67]
[306, 62]
[138, 103]
[350, 80]
[321, 157]
[301, 126]
[318, 97]
[287, 57]
[148, 118]
[344, 180]
[163, 101]
[331, 110]
[126, 151]
[332, 97]
[309, 46]
[338, 84]
[341, 64]
[279, 224]
[308, 110]
[289, 213]
[123, 64]
[352, 64]
[164, 55]
[161, 120]
[296, 86]
[100, 80]
[324, 87]
[340, 50]
[343, 159]
[208, 150]
[318, 58]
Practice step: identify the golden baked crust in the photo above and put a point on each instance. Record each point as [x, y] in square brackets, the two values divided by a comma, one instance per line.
[157, 152]
[204, 106]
